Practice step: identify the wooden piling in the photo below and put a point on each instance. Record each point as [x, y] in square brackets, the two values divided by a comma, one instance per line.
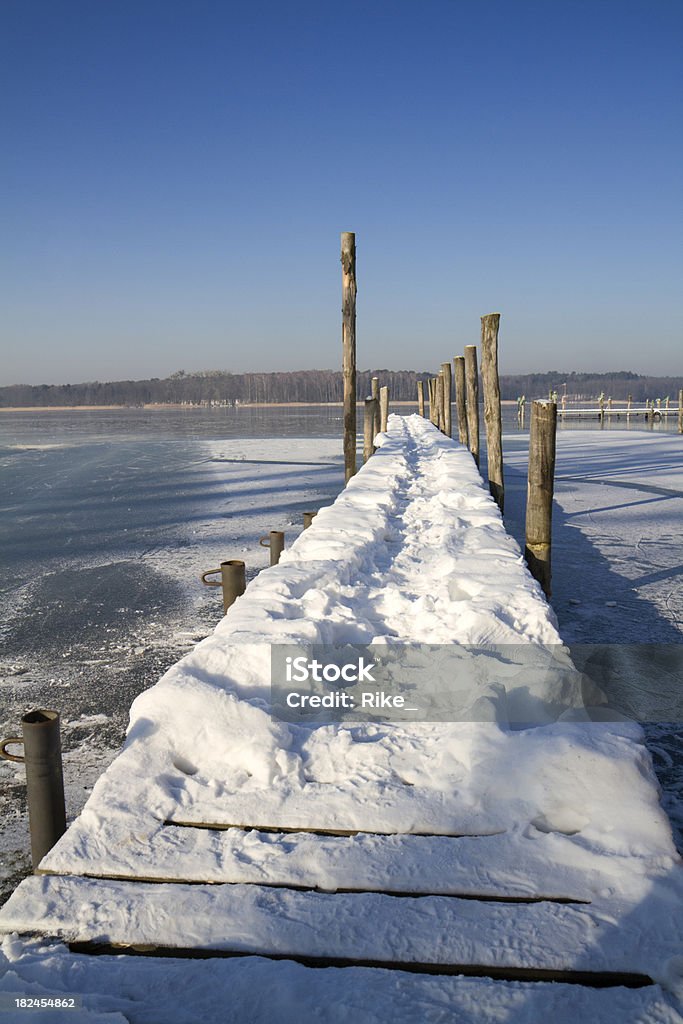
[420, 398]
[539, 503]
[348, 261]
[374, 384]
[472, 389]
[492, 415]
[447, 389]
[369, 427]
[439, 400]
[680, 412]
[308, 519]
[433, 412]
[460, 401]
[383, 407]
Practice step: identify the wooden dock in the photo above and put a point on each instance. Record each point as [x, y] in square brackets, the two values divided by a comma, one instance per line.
[390, 875]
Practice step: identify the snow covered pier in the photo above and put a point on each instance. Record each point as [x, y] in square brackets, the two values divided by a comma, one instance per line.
[410, 853]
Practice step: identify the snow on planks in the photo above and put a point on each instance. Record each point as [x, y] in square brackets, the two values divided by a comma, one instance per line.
[426, 933]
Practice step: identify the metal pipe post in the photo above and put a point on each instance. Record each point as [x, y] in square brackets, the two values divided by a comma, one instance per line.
[44, 781]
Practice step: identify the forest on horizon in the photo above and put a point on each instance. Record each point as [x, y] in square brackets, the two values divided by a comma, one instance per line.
[222, 387]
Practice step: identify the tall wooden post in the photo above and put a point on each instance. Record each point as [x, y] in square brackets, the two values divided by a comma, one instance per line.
[439, 401]
[383, 408]
[539, 502]
[348, 261]
[420, 398]
[369, 419]
[680, 412]
[433, 412]
[460, 405]
[472, 388]
[374, 384]
[447, 388]
[492, 415]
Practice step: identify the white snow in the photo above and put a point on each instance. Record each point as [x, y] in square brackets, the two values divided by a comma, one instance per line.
[414, 550]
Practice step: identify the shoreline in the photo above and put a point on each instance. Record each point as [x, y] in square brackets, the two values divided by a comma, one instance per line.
[153, 406]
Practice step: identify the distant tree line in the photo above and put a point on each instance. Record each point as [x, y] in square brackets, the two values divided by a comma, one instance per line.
[221, 387]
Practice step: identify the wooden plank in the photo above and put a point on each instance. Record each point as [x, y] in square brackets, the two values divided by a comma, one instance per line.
[505, 866]
[368, 928]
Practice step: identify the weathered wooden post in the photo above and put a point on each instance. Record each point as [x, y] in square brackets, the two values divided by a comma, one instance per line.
[539, 502]
[680, 412]
[308, 519]
[433, 411]
[460, 403]
[439, 400]
[420, 398]
[348, 261]
[44, 779]
[601, 403]
[492, 415]
[275, 540]
[472, 388]
[447, 389]
[374, 384]
[628, 408]
[383, 407]
[369, 417]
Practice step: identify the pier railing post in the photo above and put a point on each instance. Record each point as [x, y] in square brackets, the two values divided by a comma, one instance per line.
[369, 418]
[348, 261]
[433, 411]
[375, 394]
[439, 400]
[460, 401]
[539, 503]
[492, 414]
[383, 408]
[44, 780]
[420, 398]
[472, 387]
[447, 389]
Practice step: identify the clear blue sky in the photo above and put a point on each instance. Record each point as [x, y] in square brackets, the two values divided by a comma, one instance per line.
[175, 177]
